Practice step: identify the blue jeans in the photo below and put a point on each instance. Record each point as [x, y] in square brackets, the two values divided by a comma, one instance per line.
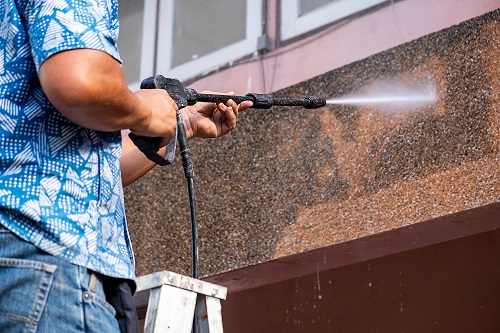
[41, 293]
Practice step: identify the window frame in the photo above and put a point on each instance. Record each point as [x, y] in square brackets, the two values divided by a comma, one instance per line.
[149, 31]
[293, 25]
[209, 62]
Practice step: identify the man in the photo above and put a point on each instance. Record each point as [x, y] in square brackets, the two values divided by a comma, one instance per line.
[64, 245]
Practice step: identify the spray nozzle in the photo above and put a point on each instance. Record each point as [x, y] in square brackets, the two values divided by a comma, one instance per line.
[314, 102]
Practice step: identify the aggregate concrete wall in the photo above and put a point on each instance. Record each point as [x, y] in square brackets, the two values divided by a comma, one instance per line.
[289, 180]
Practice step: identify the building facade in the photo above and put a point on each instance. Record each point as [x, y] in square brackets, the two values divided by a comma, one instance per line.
[348, 218]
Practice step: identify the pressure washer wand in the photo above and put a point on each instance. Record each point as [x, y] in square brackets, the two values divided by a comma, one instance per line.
[260, 101]
[188, 96]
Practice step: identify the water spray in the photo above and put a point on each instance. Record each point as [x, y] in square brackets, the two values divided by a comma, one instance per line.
[390, 95]
[383, 100]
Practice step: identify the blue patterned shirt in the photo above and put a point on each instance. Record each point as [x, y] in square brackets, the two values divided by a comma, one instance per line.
[60, 184]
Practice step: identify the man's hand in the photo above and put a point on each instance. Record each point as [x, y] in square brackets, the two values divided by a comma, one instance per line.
[163, 115]
[209, 120]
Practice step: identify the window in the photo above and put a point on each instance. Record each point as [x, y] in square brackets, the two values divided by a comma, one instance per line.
[195, 37]
[136, 41]
[185, 38]
[300, 16]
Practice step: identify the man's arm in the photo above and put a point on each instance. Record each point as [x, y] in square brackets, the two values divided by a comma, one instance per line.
[133, 163]
[88, 87]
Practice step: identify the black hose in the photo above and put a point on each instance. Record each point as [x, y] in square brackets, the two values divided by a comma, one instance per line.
[194, 240]
[194, 228]
[189, 173]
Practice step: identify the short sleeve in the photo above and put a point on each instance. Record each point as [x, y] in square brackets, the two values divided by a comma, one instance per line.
[59, 25]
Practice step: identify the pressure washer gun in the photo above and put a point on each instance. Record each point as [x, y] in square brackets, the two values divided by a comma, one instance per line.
[184, 97]
[187, 96]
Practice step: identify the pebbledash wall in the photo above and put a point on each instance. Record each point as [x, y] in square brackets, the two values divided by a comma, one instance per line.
[288, 182]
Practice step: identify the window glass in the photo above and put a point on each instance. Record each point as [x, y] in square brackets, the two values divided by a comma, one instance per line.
[204, 27]
[301, 16]
[185, 38]
[198, 36]
[307, 6]
[130, 39]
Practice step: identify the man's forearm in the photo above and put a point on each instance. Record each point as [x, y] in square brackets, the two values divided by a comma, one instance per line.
[133, 163]
[88, 87]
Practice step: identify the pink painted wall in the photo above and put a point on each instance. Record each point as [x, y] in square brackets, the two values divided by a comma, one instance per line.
[335, 47]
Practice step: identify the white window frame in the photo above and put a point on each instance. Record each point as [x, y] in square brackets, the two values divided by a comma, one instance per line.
[211, 61]
[293, 25]
[148, 46]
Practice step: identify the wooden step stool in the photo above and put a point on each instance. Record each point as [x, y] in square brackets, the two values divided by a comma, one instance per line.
[173, 300]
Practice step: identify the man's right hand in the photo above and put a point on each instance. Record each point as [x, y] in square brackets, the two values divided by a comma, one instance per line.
[163, 115]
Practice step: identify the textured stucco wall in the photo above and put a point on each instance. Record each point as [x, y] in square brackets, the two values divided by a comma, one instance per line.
[289, 180]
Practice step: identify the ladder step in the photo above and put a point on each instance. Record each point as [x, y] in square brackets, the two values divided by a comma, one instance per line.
[173, 300]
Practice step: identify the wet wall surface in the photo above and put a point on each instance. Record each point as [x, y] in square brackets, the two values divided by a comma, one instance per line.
[289, 180]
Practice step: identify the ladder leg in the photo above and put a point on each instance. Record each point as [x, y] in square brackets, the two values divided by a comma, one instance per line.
[208, 314]
[170, 310]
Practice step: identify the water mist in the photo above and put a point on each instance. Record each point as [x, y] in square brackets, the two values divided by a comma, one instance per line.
[391, 96]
